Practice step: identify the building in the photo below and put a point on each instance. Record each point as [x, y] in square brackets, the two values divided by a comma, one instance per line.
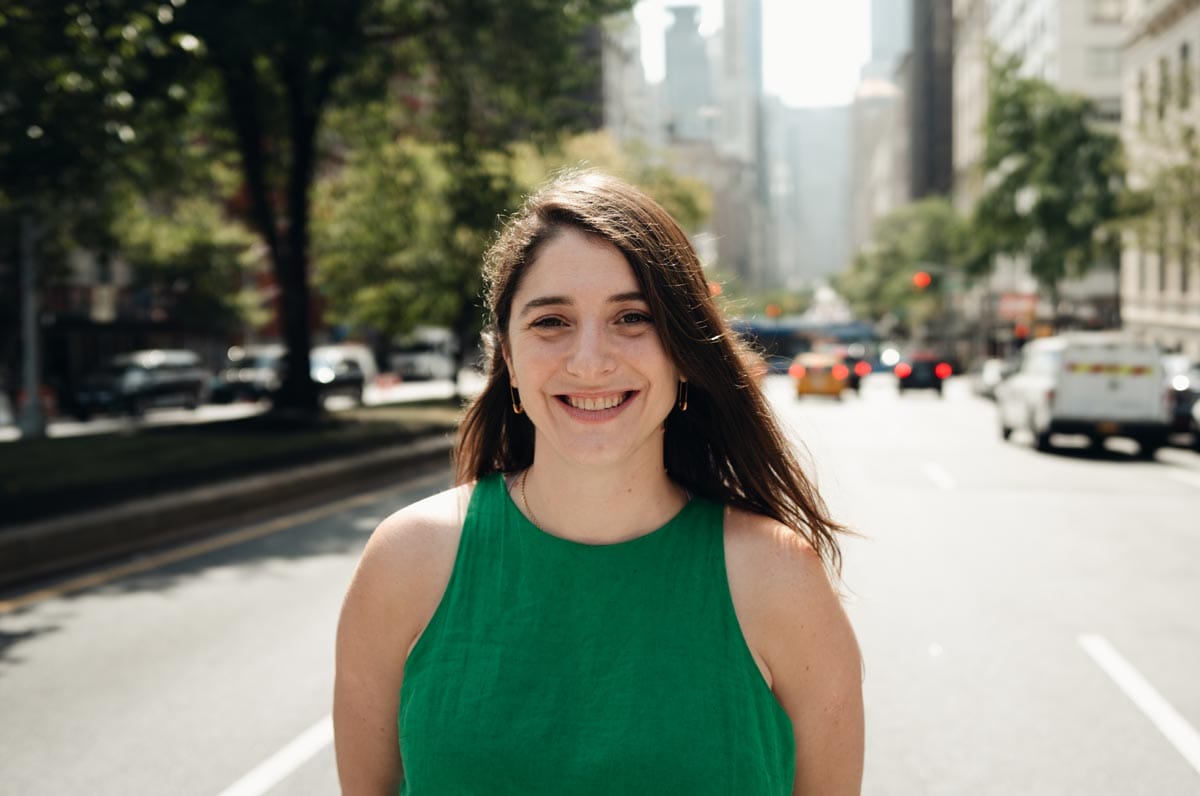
[1160, 280]
[930, 99]
[627, 107]
[688, 93]
[970, 99]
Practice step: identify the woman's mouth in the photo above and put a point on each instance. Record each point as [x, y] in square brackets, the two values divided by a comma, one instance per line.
[596, 403]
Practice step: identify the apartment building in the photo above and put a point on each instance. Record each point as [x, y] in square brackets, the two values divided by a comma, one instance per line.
[1160, 274]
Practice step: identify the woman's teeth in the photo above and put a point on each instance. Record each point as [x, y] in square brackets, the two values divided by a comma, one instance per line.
[596, 404]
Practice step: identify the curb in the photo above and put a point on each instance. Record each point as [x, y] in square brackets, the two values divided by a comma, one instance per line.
[43, 548]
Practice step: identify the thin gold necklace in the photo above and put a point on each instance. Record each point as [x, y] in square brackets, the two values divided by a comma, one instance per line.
[525, 500]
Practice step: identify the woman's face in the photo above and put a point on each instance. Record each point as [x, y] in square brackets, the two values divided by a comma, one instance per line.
[584, 353]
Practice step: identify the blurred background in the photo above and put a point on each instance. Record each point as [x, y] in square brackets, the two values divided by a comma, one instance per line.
[240, 309]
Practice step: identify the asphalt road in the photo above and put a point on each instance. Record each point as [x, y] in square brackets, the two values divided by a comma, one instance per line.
[1028, 621]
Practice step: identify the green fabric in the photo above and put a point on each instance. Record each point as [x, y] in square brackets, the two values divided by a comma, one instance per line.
[553, 667]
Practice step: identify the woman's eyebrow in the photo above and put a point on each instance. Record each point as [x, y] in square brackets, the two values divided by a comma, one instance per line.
[565, 301]
[544, 301]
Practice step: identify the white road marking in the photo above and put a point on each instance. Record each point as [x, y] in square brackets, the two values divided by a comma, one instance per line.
[1185, 477]
[940, 478]
[1169, 722]
[277, 767]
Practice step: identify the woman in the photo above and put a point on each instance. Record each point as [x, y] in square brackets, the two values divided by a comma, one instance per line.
[628, 590]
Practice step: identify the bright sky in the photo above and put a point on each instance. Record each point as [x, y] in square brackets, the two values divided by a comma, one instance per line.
[812, 49]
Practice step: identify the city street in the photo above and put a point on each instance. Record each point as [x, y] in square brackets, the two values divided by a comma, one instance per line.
[1029, 624]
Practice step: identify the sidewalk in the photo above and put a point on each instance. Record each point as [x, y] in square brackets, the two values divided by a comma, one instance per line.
[41, 549]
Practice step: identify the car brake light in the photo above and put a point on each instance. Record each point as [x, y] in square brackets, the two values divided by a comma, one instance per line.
[841, 372]
[796, 371]
[862, 367]
[903, 370]
[1049, 396]
[943, 370]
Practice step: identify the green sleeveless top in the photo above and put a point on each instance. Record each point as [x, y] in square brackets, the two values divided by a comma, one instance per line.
[555, 667]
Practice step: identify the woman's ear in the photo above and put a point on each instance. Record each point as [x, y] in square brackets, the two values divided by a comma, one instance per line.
[504, 353]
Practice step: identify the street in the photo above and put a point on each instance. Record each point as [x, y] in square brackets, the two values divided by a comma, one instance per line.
[1029, 624]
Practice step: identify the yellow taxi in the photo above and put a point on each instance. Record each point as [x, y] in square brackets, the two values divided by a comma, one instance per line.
[819, 373]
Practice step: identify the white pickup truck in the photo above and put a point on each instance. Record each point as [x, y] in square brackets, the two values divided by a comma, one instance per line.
[1098, 384]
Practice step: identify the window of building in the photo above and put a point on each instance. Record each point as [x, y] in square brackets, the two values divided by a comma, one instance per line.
[1185, 76]
[1141, 263]
[1103, 62]
[1162, 256]
[1143, 100]
[1104, 10]
[1186, 242]
[1164, 87]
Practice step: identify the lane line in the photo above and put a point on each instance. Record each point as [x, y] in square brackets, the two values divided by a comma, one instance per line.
[1185, 477]
[940, 478]
[209, 545]
[279, 766]
[1169, 722]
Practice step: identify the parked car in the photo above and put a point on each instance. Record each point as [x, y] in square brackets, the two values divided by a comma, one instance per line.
[1098, 384]
[250, 373]
[337, 372]
[819, 373]
[1183, 389]
[133, 382]
[256, 372]
[923, 369]
[426, 354]
[989, 372]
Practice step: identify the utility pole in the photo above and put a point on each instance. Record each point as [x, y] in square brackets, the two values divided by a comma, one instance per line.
[33, 420]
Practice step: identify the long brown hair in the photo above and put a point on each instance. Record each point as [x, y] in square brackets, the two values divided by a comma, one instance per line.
[727, 446]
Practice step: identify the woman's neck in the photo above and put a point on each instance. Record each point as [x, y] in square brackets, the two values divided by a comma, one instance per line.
[598, 505]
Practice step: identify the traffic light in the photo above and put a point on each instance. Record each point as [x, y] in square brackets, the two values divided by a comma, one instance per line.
[922, 280]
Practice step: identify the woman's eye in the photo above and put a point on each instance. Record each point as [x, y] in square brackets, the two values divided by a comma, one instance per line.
[547, 323]
[636, 317]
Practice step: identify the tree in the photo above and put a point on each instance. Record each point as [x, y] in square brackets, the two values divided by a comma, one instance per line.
[1054, 184]
[927, 236]
[263, 74]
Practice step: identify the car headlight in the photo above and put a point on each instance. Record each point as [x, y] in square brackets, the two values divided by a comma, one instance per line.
[1180, 383]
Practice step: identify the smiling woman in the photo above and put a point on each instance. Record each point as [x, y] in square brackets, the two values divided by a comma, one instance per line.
[630, 590]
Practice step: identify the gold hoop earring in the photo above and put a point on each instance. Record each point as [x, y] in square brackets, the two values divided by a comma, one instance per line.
[516, 400]
[682, 396]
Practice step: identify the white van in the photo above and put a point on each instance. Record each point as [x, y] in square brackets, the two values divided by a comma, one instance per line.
[1098, 384]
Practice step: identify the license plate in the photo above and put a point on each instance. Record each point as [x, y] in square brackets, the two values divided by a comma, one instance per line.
[1108, 428]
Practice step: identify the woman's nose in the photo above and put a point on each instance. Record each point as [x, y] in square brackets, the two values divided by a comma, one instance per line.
[592, 354]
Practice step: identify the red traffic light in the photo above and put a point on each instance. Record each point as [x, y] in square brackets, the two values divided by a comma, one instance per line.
[922, 279]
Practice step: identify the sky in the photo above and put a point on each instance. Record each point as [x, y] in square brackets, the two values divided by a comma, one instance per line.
[812, 49]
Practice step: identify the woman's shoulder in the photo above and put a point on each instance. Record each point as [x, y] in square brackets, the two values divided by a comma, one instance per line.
[423, 532]
[782, 590]
[771, 550]
[410, 556]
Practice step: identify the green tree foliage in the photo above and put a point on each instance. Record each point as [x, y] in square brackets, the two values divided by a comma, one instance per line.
[189, 255]
[928, 236]
[1054, 185]
[261, 75]
[390, 252]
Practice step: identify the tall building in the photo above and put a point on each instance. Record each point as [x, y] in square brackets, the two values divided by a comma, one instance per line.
[818, 153]
[742, 144]
[1160, 262]
[891, 36]
[1072, 44]
[687, 84]
[627, 109]
[970, 99]
[930, 99]
[879, 126]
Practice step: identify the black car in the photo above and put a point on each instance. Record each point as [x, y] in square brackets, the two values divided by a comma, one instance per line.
[250, 373]
[133, 382]
[1183, 394]
[924, 370]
